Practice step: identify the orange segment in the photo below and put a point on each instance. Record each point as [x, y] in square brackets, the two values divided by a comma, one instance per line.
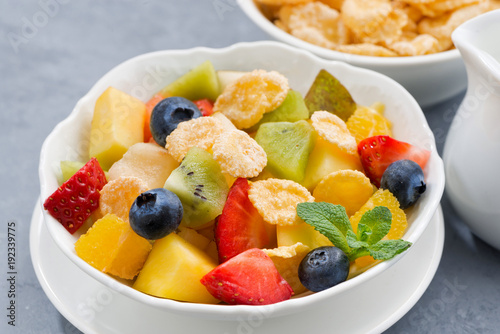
[383, 197]
[361, 264]
[112, 247]
[348, 188]
[367, 122]
[398, 227]
[117, 196]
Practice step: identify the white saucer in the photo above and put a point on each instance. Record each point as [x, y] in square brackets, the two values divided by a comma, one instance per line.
[94, 308]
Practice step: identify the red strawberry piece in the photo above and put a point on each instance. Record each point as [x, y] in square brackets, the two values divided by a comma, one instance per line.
[378, 152]
[239, 227]
[249, 278]
[73, 202]
[206, 106]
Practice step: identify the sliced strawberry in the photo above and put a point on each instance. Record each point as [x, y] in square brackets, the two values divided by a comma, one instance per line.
[206, 106]
[239, 227]
[378, 152]
[73, 202]
[249, 278]
[149, 109]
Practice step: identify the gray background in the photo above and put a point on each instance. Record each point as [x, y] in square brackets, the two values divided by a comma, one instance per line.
[43, 75]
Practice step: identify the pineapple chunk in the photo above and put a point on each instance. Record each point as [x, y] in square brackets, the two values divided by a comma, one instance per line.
[199, 240]
[303, 233]
[117, 124]
[112, 247]
[174, 269]
[147, 161]
[327, 158]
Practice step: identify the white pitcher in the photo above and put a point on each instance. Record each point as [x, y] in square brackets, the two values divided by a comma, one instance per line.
[472, 148]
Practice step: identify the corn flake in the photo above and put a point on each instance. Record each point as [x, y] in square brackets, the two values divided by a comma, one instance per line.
[439, 7]
[316, 23]
[420, 45]
[118, 195]
[333, 129]
[245, 100]
[201, 132]
[375, 21]
[442, 26]
[238, 154]
[366, 49]
[276, 200]
[287, 260]
[282, 2]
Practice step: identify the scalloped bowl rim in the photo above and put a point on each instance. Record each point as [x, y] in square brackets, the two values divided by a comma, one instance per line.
[249, 7]
[231, 312]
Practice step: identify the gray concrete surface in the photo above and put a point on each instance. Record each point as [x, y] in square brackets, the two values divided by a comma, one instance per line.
[52, 52]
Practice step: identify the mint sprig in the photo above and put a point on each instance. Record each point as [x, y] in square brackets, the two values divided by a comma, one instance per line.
[332, 221]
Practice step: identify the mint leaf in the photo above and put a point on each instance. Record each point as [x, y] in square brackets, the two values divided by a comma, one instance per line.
[364, 232]
[387, 249]
[358, 248]
[331, 220]
[356, 253]
[374, 224]
[353, 242]
[328, 219]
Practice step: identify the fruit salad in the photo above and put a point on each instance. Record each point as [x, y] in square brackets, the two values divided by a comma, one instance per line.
[232, 187]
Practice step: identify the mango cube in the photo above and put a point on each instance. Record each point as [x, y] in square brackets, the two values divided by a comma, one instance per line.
[112, 247]
[174, 269]
[117, 124]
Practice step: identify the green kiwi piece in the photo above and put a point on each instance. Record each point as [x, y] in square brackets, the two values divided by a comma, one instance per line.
[69, 168]
[328, 94]
[201, 187]
[287, 146]
[292, 109]
[201, 82]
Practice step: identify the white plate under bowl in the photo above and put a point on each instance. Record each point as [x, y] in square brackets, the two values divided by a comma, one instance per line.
[95, 309]
[144, 75]
[430, 78]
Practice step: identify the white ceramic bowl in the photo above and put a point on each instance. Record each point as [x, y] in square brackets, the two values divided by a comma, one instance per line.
[144, 75]
[430, 79]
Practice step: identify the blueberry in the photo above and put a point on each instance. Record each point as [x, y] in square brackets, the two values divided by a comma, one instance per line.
[405, 180]
[168, 113]
[155, 213]
[323, 267]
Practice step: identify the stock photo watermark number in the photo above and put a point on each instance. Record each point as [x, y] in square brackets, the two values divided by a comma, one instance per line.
[11, 273]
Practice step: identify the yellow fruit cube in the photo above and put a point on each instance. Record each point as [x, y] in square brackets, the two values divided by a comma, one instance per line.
[117, 124]
[174, 269]
[303, 233]
[112, 247]
[147, 161]
[327, 158]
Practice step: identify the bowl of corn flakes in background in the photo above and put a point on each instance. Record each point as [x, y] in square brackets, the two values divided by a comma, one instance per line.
[407, 40]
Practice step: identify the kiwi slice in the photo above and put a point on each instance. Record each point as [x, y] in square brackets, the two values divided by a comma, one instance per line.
[69, 168]
[292, 109]
[287, 146]
[201, 187]
[327, 93]
[201, 82]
